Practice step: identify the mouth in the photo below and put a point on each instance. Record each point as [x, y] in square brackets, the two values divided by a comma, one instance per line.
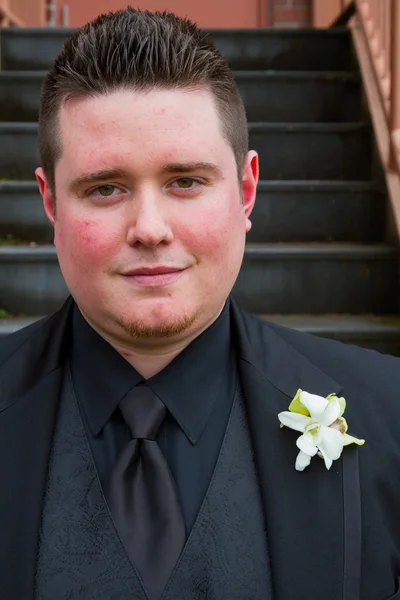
[154, 276]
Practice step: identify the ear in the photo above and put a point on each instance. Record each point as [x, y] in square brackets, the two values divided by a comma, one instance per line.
[249, 185]
[47, 196]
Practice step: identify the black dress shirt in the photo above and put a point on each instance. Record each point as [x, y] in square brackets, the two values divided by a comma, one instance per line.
[197, 388]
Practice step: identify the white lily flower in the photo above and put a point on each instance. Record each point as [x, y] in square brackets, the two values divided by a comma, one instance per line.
[322, 426]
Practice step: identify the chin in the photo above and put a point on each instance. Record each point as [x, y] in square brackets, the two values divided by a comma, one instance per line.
[156, 324]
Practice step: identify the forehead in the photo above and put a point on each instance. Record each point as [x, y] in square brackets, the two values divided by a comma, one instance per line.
[141, 127]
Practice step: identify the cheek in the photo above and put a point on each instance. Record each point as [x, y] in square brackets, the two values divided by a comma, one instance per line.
[214, 232]
[84, 240]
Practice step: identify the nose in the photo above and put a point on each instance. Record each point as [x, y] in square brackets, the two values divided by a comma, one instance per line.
[149, 225]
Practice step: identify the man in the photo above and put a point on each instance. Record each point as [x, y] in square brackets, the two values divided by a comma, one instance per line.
[141, 453]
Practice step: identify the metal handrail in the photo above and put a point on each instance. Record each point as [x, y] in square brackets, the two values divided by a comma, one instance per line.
[7, 17]
[22, 13]
[380, 21]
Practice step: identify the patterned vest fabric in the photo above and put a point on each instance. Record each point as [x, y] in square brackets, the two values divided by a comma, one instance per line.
[80, 556]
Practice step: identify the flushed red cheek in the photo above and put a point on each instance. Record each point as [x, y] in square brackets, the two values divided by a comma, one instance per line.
[86, 239]
[206, 237]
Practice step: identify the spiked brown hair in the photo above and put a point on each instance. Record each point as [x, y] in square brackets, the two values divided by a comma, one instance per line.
[138, 50]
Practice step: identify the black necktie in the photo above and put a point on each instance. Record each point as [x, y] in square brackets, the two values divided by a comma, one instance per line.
[142, 495]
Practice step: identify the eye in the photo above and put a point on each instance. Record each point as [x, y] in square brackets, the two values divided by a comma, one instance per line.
[185, 182]
[105, 190]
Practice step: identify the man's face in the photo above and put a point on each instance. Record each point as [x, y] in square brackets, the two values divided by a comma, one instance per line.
[150, 219]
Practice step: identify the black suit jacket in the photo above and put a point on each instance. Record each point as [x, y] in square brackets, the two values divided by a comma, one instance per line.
[332, 535]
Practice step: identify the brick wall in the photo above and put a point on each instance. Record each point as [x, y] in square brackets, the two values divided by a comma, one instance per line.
[291, 13]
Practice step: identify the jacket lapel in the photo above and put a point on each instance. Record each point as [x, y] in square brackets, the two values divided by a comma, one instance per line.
[305, 511]
[29, 388]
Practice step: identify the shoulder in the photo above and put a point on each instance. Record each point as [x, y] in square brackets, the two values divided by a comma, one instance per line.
[340, 358]
[11, 343]
[43, 338]
[345, 363]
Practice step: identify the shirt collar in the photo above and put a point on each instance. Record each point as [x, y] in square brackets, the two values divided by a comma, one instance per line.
[189, 386]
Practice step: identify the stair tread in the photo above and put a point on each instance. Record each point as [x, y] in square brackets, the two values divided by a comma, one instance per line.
[356, 324]
[255, 250]
[12, 324]
[18, 126]
[26, 251]
[313, 127]
[22, 74]
[20, 185]
[322, 249]
[311, 185]
[298, 75]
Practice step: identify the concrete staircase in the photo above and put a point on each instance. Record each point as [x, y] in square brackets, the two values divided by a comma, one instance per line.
[316, 258]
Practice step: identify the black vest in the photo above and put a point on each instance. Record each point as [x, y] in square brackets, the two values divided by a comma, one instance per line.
[80, 555]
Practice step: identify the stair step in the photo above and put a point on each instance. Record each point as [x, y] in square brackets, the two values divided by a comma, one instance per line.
[318, 279]
[275, 96]
[317, 211]
[294, 211]
[275, 278]
[30, 280]
[8, 326]
[19, 153]
[312, 150]
[380, 333]
[36, 48]
[21, 212]
[287, 96]
[340, 326]
[287, 150]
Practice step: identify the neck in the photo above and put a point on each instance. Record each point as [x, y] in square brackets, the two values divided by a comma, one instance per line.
[149, 359]
[151, 363]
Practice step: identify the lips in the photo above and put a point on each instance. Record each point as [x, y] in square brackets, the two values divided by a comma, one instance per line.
[153, 271]
[154, 276]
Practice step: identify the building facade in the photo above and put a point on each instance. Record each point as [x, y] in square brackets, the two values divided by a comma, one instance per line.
[207, 13]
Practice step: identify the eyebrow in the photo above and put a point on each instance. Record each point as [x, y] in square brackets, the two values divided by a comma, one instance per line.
[190, 167]
[102, 175]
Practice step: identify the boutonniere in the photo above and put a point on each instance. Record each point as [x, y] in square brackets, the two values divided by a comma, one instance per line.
[323, 428]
